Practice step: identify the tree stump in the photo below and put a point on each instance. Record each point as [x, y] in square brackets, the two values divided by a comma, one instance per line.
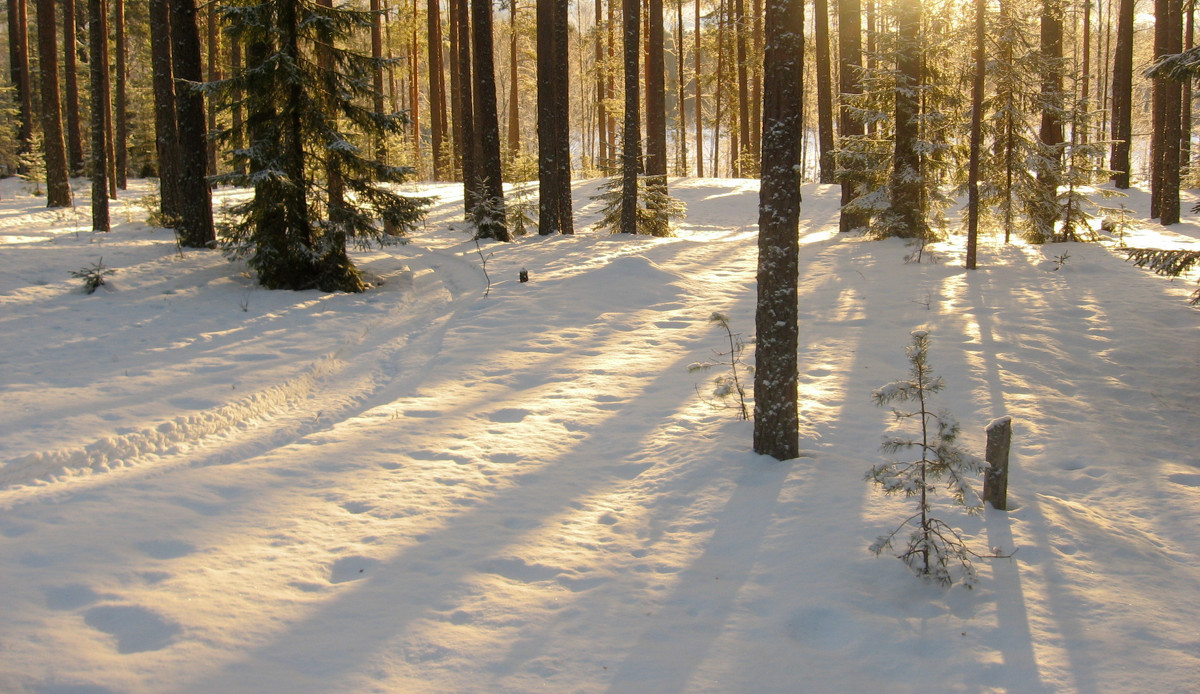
[995, 478]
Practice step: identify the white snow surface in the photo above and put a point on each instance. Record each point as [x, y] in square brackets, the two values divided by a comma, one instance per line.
[210, 487]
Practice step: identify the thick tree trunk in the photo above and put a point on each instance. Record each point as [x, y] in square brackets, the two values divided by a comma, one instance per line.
[97, 36]
[776, 418]
[487, 127]
[166, 138]
[1122, 90]
[631, 138]
[850, 56]
[824, 94]
[58, 184]
[71, 89]
[195, 225]
[1170, 131]
[602, 135]
[656, 104]
[554, 173]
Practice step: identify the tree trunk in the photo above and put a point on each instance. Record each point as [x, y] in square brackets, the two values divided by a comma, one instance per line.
[166, 138]
[437, 90]
[71, 89]
[656, 105]
[58, 184]
[464, 129]
[414, 91]
[235, 110]
[976, 133]
[1169, 133]
[195, 199]
[213, 31]
[681, 131]
[121, 98]
[18, 54]
[776, 418]
[1051, 131]
[850, 57]
[491, 224]
[742, 166]
[97, 37]
[554, 172]
[514, 107]
[756, 62]
[1122, 90]
[824, 94]
[631, 138]
[698, 105]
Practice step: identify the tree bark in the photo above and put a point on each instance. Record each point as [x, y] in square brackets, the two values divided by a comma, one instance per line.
[58, 184]
[553, 150]
[824, 94]
[698, 105]
[460, 23]
[18, 54]
[121, 98]
[1170, 131]
[195, 224]
[743, 84]
[656, 105]
[850, 57]
[631, 138]
[976, 134]
[71, 89]
[514, 108]
[437, 90]
[166, 137]
[97, 37]
[212, 27]
[776, 417]
[487, 126]
[1122, 99]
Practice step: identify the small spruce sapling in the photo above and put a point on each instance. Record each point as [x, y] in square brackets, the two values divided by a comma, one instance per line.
[726, 385]
[935, 549]
[93, 276]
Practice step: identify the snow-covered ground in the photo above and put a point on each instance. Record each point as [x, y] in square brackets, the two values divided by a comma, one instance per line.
[209, 487]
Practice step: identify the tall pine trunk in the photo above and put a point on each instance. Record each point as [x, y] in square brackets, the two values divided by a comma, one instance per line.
[776, 417]
[976, 134]
[166, 139]
[850, 57]
[71, 89]
[437, 90]
[489, 220]
[825, 142]
[631, 138]
[121, 98]
[58, 184]
[97, 36]
[696, 55]
[514, 107]
[195, 224]
[656, 103]
[18, 62]
[1122, 96]
[553, 150]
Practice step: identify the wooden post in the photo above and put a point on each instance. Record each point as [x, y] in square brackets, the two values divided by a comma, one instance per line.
[995, 479]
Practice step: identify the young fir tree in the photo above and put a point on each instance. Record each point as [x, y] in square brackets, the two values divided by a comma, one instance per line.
[935, 549]
[315, 190]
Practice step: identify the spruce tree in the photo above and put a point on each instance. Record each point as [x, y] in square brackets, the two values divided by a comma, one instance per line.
[303, 94]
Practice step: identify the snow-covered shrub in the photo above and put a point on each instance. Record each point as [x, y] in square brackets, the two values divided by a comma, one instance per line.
[935, 549]
[93, 276]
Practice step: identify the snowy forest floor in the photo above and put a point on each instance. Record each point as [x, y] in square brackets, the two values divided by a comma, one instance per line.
[210, 487]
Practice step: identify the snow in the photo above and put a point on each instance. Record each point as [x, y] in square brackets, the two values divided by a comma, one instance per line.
[210, 487]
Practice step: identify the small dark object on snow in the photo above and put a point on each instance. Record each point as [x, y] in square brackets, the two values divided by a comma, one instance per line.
[524, 275]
